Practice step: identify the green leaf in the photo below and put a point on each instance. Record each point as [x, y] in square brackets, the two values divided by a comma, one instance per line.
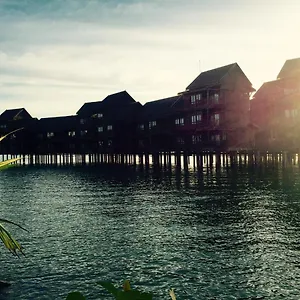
[109, 287]
[9, 242]
[75, 296]
[8, 161]
[3, 137]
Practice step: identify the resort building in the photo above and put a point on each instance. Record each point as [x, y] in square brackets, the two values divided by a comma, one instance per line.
[275, 110]
[216, 110]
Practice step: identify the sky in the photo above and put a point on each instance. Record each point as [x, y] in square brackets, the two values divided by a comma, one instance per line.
[55, 55]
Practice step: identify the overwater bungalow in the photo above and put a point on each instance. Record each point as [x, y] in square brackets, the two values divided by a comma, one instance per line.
[109, 126]
[275, 109]
[216, 110]
[56, 135]
[21, 141]
[157, 126]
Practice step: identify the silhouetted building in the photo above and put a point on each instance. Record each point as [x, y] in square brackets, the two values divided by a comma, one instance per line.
[275, 110]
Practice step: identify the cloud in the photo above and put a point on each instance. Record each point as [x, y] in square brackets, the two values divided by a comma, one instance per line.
[56, 55]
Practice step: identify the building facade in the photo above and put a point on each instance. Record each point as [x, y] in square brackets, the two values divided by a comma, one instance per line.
[216, 110]
[275, 110]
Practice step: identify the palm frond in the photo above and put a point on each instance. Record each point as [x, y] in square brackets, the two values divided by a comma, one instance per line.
[8, 161]
[13, 223]
[9, 242]
[3, 137]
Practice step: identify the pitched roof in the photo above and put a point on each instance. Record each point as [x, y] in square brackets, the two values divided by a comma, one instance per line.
[216, 77]
[55, 124]
[119, 98]
[12, 114]
[290, 68]
[113, 100]
[210, 77]
[90, 108]
[161, 107]
[268, 88]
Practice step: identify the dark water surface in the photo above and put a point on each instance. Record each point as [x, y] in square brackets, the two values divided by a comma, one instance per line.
[228, 234]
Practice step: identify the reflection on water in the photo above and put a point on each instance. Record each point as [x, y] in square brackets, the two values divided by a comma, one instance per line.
[231, 233]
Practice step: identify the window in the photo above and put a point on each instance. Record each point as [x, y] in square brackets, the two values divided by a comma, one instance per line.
[109, 143]
[216, 138]
[224, 136]
[216, 97]
[193, 119]
[287, 113]
[100, 143]
[288, 91]
[71, 133]
[198, 97]
[82, 121]
[180, 140]
[50, 134]
[294, 113]
[196, 119]
[215, 119]
[196, 139]
[152, 124]
[193, 99]
[98, 116]
[83, 132]
[3, 126]
[100, 129]
[141, 126]
[109, 127]
[179, 121]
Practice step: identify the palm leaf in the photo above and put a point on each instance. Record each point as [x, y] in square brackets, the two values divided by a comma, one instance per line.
[3, 137]
[13, 223]
[8, 161]
[9, 242]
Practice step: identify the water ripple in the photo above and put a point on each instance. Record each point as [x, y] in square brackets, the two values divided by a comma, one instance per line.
[231, 234]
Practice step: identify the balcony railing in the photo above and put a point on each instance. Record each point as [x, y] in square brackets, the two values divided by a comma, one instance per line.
[205, 103]
[202, 125]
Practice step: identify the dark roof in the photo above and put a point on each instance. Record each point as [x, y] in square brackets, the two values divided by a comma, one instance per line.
[113, 100]
[12, 114]
[162, 107]
[216, 77]
[210, 78]
[55, 124]
[120, 98]
[90, 108]
[268, 88]
[290, 68]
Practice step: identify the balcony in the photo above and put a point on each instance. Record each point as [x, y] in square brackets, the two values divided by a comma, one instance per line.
[210, 103]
